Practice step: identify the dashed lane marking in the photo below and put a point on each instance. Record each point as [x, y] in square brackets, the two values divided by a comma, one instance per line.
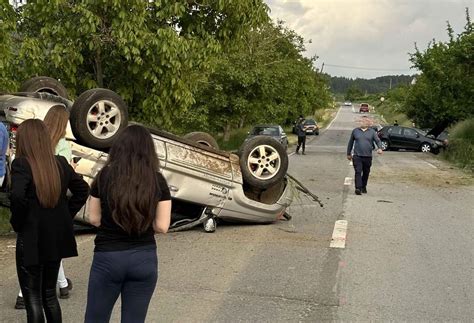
[338, 239]
[348, 181]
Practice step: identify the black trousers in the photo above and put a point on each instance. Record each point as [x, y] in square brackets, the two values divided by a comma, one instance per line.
[301, 142]
[362, 170]
[38, 285]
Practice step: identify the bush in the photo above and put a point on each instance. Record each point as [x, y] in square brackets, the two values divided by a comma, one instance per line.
[460, 150]
[5, 220]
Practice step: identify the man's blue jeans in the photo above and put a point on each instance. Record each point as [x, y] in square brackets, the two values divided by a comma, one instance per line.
[130, 273]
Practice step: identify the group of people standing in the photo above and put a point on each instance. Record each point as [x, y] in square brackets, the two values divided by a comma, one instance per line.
[129, 202]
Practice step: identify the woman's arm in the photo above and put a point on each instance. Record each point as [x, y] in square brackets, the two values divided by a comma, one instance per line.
[21, 179]
[162, 220]
[95, 211]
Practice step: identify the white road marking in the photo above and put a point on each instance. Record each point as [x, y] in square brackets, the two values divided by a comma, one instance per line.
[348, 181]
[291, 154]
[431, 164]
[337, 114]
[338, 239]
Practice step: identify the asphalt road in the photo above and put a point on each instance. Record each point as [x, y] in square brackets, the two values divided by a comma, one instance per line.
[407, 256]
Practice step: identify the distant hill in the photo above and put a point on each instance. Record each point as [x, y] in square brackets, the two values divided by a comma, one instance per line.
[340, 85]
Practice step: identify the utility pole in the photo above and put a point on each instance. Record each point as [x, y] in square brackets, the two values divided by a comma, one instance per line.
[322, 68]
[390, 84]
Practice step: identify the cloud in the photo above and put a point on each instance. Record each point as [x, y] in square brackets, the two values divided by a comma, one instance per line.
[373, 34]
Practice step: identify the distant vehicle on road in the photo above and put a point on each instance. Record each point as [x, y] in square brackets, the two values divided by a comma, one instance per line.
[274, 131]
[311, 127]
[348, 104]
[364, 107]
[396, 137]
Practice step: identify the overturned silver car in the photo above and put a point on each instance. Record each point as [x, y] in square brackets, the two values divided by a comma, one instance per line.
[206, 183]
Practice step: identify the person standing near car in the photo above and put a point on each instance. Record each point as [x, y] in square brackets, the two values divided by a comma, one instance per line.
[361, 141]
[56, 122]
[301, 133]
[130, 202]
[42, 216]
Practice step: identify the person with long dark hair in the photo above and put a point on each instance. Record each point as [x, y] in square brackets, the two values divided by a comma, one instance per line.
[56, 121]
[130, 202]
[42, 216]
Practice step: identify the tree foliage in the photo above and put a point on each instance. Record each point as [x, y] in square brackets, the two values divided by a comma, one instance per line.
[370, 86]
[444, 92]
[151, 52]
[263, 78]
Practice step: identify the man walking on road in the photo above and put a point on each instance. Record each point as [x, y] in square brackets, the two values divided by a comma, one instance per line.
[301, 133]
[362, 140]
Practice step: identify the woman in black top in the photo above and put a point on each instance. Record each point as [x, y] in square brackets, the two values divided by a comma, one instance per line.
[130, 202]
[42, 217]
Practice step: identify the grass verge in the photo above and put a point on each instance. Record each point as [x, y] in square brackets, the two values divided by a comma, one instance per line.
[5, 226]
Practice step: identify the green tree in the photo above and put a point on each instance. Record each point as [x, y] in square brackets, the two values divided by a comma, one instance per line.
[444, 92]
[153, 53]
[263, 78]
[353, 93]
[8, 19]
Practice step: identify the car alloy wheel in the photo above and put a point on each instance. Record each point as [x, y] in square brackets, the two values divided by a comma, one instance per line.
[425, 147]
[103, 119]
[384, 144]
[264, 162]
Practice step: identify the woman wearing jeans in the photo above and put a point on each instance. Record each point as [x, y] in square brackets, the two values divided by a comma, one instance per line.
[130, 202]
[42, 217]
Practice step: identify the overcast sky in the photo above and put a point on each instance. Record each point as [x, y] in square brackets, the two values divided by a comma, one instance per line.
[369, 34]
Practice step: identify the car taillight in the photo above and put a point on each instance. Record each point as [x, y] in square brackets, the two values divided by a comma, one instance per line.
[13, 128]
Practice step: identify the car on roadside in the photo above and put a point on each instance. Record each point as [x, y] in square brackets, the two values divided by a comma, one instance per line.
[311, 127]
[398, 137]
[271, 130]
[206, 183]
[348, 104]
[364, 108]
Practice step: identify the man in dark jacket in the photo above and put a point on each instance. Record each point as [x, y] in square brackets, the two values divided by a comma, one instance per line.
[301, 133]
[362, 140]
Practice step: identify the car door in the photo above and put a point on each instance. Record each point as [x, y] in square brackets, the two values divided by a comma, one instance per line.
[283, 136]
[395, 136]
[411, 138]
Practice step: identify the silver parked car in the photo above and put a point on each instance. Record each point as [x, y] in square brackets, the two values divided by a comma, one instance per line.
[206, 183]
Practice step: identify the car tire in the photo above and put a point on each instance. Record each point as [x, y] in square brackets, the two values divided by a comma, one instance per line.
[44, 84]
[316, 133]
[425, 147]
[202, 138]
[97, 117]
[263, 162]
[385, 145]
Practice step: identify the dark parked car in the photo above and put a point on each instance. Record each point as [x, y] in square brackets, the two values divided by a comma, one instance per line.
[274, 131]
[396, 137]
[311, 127]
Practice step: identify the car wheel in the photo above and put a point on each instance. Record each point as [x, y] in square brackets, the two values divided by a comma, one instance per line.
[316, 133]
[44, 84]
[97, 117]
[202, 138]
[425, 147]
[384, 144]
[263, 162]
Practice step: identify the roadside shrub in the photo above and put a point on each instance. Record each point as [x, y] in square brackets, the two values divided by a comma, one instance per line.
[460, 150]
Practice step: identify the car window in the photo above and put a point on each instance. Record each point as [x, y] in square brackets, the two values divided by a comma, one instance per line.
[310, 122]
[395, 130]
[267, 131]
[409, 132]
